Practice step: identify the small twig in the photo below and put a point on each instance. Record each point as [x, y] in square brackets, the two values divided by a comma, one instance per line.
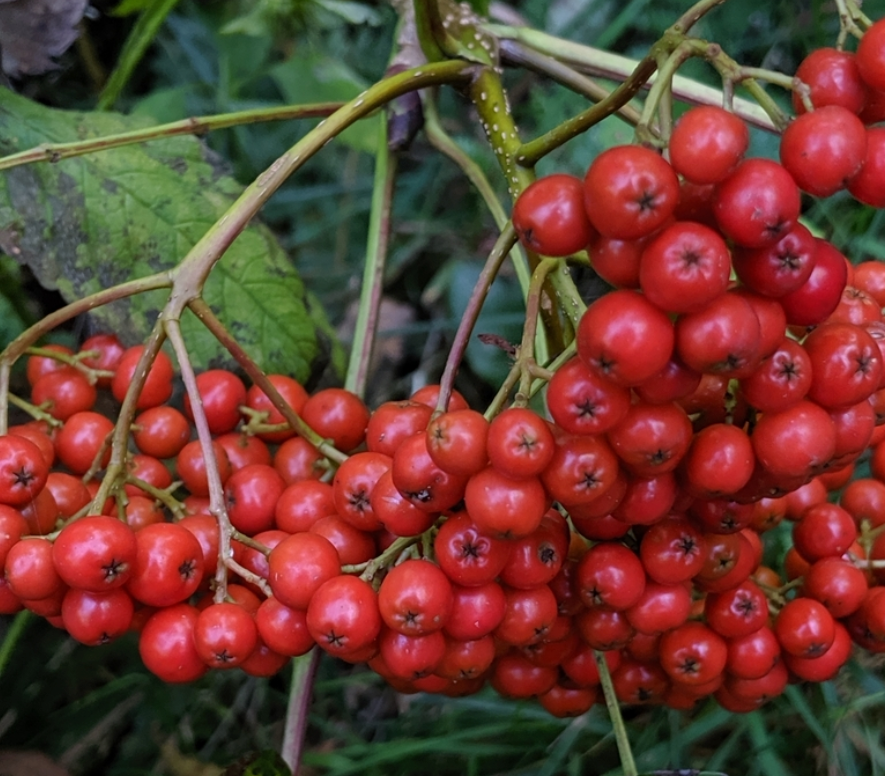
[373, 271]
[217, 505]
[55, 152]
[211, 322]
[502, 247]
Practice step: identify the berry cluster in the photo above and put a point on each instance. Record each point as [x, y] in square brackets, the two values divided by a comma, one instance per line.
[729, 381]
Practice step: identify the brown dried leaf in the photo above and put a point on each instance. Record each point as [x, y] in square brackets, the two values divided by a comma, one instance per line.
[33, 32]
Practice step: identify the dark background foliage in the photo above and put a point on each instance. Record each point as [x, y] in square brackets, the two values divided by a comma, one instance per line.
[97, 711]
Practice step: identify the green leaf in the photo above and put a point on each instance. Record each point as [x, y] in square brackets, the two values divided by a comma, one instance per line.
[136, 44]
[95, 221]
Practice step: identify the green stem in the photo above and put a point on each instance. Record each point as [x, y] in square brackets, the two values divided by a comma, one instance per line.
[195, 267]
[526, 355]
[75, 361]
[116, 469]
[429, 29]
[55, 152]
[217, 505]
[849, 17]
[369, 569]
[500, 399]
[491, 102]
[661, 89]
[303, 670]
[159, 494]
[614, 713]
[604, 64]
[141, 36]
[532, 152]
[733, 73]
[37, 413]
[502, 247]
[373, 271]
[518, 54]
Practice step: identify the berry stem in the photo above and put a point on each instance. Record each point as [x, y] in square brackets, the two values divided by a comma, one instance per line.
[116, 468]
[255, 373]
[37, 413]
[55, 152]
[519, 54]
[217, 506]
[248, 541]
[75, 361]
[163, 495]
[532, 152]
[372, 287]
[694, 14]
[503, 244]
[614, 713]
[850, 17]
[526, 357]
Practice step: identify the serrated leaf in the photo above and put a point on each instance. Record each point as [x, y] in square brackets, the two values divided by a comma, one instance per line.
[95, 221]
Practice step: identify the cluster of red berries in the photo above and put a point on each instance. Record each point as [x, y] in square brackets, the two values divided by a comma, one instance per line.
[739, 359]
[449, 551]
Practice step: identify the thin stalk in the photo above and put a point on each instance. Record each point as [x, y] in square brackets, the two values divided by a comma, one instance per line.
[55, 152]
[663, 87]
[254, 372]
[533, 308]
[37, 413]
[502, 247]
[604, 64]
[377, 243]
[75, 361]
[532, 152]
[217, 506]
[518, 54]
[492, 103]
[614, 713]
[303, 671]
[850, 16]
[163, 495]
[500, 399]
[116, 469]
[195, 267]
